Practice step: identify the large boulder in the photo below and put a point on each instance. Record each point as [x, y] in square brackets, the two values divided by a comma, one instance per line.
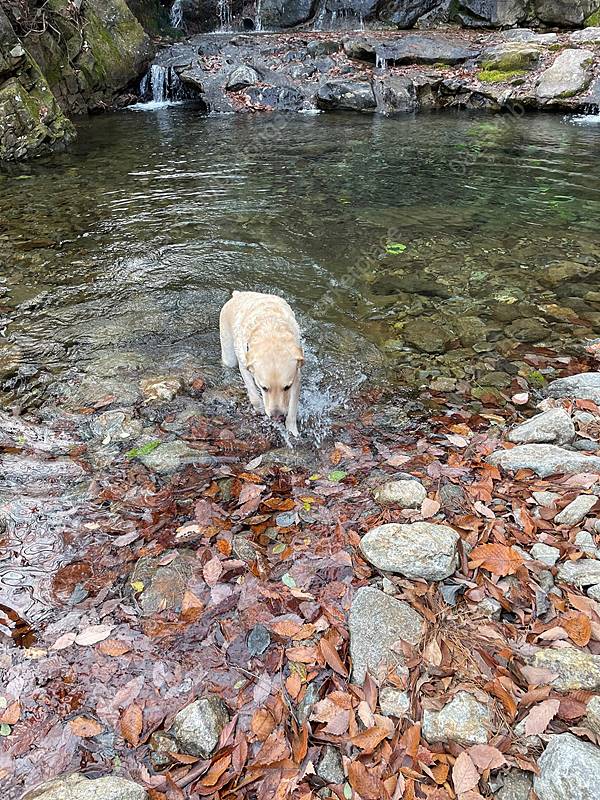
[414, 48]
[584, 386]
[405, 13]
[377, 622]
[569, 770]
[564, 13]
[568, 76]
[80, 787]
[494, 13]
[283, 14]
[349, 95]
[415, 550]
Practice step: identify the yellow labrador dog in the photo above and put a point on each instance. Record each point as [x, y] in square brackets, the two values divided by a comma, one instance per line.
[260, 335]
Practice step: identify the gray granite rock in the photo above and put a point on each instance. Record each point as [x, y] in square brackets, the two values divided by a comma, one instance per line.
[592, 715]
[584, 386]
[574, 668]
[568, 76]
[544, 460]
[585, 542]
[415, 550]
[594, 592]
[546, 554]
[80, 787]
[407, 494]
[569, 770]
[586, 35]
[241, 77]
[197, 727]
[584, 572]
[376, 622]
[554, 426]
[330, 766]
[393, 702]
[513, 785]
[576, 510]
[545, 499]
[463, 720]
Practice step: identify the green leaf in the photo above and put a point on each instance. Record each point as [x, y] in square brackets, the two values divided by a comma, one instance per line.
[337, 475]
[288, 580]
[395, 248]
[347, 791]
[5, 730]
[144, 450]
[137, 586]
[314, 477]
[279, 548]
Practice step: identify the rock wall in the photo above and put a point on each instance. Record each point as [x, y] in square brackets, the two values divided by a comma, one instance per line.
[64, 57]
[207, 15]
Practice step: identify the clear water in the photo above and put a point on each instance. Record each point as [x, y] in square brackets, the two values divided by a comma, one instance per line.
[117, 255]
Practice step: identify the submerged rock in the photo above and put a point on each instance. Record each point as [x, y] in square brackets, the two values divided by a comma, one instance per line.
[407, 494]
[79, 787]
[161, 387]
[161, 586]
[168, 457]
[197, 727]
[569, 770]
[568, 76]
[463, 720]
[428, 335]
[376, 623]
[544, 460]
[554, 426]
[574, 669]
[415, 550]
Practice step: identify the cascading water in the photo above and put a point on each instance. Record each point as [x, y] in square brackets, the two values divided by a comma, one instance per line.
[176, 15]
[225, 15]
[257, 19]
[160, 86]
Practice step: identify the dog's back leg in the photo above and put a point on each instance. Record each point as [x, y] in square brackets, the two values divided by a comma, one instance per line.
[228, 356]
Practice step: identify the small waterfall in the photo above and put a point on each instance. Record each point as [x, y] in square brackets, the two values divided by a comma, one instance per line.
[257, 19]
[161, 85]
[176, 15]
[380, 62]
[225, 15]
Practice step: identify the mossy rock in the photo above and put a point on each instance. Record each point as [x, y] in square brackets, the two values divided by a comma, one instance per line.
[498, 76]
[511, 59]
[593, 21]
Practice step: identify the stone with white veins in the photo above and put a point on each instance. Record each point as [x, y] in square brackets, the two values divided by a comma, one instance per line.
[408, 494]
[79, 787]
[377, 622]
[574, 668]
[198, 726]
[544, 460]
[584, 572]
[415, 550]
[546, 554]
[568, 76]
[569, 770]
[393, 702]
[554, 425]
[463, 720]
[576, 510]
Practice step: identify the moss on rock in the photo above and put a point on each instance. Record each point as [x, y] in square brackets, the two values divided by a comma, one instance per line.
[593, 21]
[499, 76]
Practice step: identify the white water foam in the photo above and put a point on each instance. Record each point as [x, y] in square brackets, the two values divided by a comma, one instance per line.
[585, 119]
[176, 15]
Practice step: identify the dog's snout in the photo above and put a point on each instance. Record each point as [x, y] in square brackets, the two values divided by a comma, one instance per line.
[278, 415]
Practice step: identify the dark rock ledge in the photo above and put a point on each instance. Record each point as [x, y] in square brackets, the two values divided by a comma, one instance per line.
[385, 73]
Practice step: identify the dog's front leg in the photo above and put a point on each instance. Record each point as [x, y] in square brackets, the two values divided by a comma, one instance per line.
[290, 420]
[253, 395]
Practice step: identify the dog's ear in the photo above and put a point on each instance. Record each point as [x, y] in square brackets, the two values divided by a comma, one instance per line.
[299, 356]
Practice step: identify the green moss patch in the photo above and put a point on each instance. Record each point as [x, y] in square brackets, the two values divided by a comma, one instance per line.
[593, 21]
[499, 76]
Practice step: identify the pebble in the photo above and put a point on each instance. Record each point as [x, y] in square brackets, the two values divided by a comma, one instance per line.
[463, 720]
[554, 425]
[393, 702]
[546, 554]
[79, 787]
[330, 767]
[585, 542]
[407, 494]
[197, 727]
[569, 769]
[574, 669]
[585, 572]
[545, 499]
[544, 460]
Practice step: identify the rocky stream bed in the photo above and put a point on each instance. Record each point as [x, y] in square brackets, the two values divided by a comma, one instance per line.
[409, 611]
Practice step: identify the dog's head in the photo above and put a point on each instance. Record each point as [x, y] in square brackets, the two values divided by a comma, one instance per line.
[274, 372]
